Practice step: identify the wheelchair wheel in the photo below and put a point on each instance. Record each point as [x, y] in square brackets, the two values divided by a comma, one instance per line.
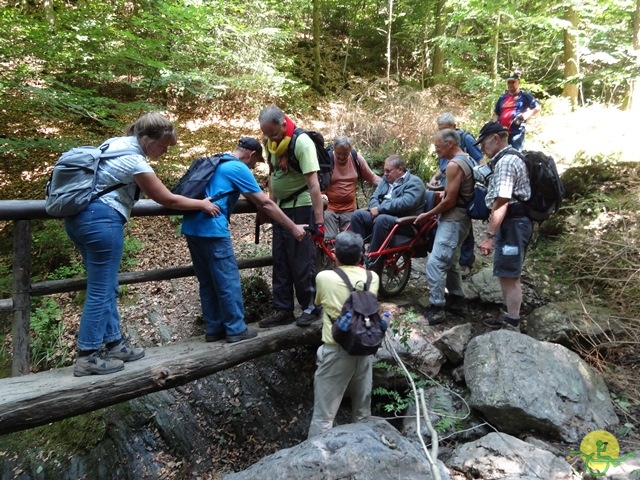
[322, 261]
[395, 275]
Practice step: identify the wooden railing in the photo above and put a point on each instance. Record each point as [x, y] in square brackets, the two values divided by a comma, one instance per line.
[22, 212]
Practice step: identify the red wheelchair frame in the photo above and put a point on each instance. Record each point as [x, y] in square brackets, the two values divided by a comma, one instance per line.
[392, 261]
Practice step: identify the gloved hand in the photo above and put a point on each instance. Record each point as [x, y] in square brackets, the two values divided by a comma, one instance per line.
[316, 230]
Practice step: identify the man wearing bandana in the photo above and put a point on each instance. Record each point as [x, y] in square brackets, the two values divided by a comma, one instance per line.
[293, 260]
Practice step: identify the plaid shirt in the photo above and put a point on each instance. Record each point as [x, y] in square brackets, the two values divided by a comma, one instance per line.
[510, 179]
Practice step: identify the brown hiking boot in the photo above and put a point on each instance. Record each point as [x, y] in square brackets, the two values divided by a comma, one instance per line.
[278, 317]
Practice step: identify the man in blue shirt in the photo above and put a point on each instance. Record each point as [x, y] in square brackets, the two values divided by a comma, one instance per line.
[467, 145]
[513, 109]
[209, 242]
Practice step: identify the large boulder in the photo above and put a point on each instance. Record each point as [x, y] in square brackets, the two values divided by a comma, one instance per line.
[573, 323]
[520, 384]
[500, 456]
[361, 451]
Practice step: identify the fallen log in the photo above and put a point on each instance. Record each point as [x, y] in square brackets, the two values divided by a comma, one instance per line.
[37, 399]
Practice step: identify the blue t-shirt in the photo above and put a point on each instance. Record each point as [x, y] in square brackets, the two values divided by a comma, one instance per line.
[231, 176]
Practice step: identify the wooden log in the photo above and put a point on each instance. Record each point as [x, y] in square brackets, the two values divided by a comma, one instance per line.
[71, 285]
[37, 399]
[6, 305]
[21, 298]
[34, 209]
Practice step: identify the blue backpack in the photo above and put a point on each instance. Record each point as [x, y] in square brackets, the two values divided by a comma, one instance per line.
[70, 187]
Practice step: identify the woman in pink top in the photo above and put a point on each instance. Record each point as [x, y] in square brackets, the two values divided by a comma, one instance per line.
[349, 167]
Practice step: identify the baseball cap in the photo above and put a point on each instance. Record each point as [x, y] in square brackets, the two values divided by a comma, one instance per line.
[250, 144]
[513, 76]
[489, 128]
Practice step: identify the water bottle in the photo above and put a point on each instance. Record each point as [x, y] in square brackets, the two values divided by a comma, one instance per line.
[384, 321]
[344, 322]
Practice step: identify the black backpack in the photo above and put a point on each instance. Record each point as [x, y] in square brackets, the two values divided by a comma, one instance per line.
[193, 183]
[547, 190]
[324, 160]
[359, 329]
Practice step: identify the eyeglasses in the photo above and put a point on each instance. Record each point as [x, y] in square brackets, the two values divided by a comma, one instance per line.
[389, 170]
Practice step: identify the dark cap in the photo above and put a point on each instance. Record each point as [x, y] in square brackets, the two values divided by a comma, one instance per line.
[513, 76]
[489, 128]
[250, 144]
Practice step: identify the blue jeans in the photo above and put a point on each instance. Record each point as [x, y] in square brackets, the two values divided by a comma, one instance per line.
[220, 291]
[442, 264]
[98, 233]
[362, 223]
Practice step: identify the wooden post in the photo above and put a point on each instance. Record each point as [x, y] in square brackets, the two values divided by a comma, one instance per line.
[21, 297]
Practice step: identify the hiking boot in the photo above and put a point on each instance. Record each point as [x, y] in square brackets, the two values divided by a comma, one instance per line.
[126, 352]
[503, 321]
[307, 319]
[434, 315]
[465, 271]
[246, 335]
[215, 337]
[98, 363]
[278, 317]
[456, 304]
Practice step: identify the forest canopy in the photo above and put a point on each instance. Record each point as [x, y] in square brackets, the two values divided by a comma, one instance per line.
[104, 59]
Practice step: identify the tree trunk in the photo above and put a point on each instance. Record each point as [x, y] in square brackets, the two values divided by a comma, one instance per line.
[316, 46]
[571, 58]
[437, 68]
[37, 399]
[426, 60]
[631, 102]
[390, 24]
[47, 5]
[496, 46]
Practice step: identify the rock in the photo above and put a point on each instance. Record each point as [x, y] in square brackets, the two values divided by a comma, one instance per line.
[361, 451]
[421, 353]
[483, 286]
[520, 384]
[501, 456]
[572, 323]
[453, 342]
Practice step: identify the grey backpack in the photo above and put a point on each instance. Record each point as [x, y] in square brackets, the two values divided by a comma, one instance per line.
[70, 188]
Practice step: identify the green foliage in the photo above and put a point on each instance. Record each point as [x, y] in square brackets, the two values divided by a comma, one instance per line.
[398, 402]
[47, 350]
[76, 434]
[256, 294]
[131, 246]
[405, 325]
[51, 249]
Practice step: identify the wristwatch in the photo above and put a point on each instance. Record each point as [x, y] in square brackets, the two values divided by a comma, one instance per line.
[489, 234]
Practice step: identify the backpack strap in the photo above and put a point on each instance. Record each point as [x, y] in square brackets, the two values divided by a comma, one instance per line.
[104, 155]
[293, 161]
[341, 273]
